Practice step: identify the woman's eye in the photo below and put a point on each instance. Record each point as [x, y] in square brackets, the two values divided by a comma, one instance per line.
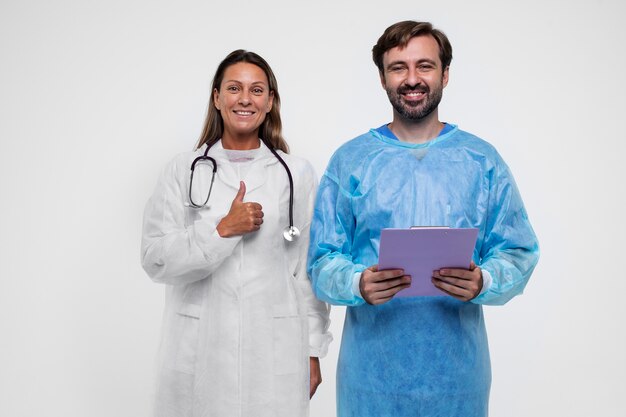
[232, 88]
[257, 91]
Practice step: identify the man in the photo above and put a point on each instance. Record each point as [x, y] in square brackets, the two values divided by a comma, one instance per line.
[416, 356]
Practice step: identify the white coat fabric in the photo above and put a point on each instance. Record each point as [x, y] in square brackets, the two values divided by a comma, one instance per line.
[240, 318]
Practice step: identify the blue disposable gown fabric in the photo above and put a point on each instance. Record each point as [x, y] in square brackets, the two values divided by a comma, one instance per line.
[420, 356]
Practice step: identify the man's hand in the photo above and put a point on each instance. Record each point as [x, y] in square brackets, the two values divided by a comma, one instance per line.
[378, 287]
[462, 284]
[316, 375]
[242, 218]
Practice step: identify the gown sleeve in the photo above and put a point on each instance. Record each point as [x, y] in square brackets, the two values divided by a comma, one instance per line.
[509, 250]
[171, 251]
[330, 263]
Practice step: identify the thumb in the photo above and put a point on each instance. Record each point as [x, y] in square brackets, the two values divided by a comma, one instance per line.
[241, 193]
[472, 266]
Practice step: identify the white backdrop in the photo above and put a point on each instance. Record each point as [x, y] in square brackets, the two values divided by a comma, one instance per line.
[95, 97]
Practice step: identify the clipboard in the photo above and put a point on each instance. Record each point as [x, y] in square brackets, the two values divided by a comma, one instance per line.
[421, 250]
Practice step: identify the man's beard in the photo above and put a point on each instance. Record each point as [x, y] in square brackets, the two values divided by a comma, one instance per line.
[415, 110]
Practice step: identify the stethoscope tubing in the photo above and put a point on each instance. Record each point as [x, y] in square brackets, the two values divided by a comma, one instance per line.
[291, 232]
[281, 160]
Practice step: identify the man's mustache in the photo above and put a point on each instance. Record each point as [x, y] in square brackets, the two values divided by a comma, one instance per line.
[416, 89]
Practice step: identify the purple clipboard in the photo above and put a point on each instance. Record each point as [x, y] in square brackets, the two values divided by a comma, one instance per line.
[420, 251]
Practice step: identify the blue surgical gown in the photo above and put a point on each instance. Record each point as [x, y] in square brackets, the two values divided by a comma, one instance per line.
[420, 356]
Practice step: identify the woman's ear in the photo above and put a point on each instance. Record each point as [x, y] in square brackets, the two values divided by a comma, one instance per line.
[270, 102]
[216, 98]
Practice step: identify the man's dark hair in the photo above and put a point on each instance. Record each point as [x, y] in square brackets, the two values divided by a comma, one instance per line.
[399, 34]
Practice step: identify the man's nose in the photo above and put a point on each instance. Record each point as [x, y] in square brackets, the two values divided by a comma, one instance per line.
[412, 77]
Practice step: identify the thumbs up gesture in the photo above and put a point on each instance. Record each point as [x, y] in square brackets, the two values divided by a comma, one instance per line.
[242, 218]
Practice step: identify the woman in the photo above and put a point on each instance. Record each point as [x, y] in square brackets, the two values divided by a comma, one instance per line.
[242, 330]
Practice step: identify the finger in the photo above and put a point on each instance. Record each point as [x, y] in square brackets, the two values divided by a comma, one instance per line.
[469, 287]
[458, 297]
[472, 266]
[390, 283]
[460, 277]
[372, 291]
[240, 193]
[457, 282]
[448, 288]
[453, 290]
[386, 275]
[384, 296]
[454, 272]
[381, 301]
[254, 206]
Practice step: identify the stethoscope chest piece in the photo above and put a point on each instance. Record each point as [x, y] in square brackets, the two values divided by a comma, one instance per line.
[291, 233]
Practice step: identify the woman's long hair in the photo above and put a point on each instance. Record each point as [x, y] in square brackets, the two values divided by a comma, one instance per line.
[271, 128]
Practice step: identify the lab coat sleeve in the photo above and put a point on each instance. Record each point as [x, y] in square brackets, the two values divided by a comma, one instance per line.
[330, 264]
[318, 311]
[171, 251]
[509, 250]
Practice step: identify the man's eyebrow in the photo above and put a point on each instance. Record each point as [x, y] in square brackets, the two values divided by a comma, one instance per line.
[398, 62]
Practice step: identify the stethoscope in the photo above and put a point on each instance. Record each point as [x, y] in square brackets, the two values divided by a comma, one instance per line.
[290, 233]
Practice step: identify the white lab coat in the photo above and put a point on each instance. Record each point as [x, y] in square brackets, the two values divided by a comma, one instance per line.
[240, 318]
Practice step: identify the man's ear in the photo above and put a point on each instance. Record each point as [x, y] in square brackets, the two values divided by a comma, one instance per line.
[446, 73]
[381, 74]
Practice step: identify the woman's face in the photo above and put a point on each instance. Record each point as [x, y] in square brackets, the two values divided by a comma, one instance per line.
[243, 99]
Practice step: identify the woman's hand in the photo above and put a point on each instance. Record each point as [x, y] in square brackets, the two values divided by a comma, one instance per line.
[316, 375]
[242, 218]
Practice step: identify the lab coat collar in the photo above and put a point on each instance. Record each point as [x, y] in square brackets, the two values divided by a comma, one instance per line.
[226, 172]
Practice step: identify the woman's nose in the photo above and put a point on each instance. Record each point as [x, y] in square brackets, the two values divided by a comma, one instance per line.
[244, 98]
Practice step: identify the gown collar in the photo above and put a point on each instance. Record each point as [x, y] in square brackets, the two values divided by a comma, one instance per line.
[399, 143]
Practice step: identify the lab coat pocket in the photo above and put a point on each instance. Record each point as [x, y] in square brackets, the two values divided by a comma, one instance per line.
[288, 349]
[188, 321]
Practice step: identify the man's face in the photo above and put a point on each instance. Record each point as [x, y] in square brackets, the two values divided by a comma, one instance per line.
[413, 77]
